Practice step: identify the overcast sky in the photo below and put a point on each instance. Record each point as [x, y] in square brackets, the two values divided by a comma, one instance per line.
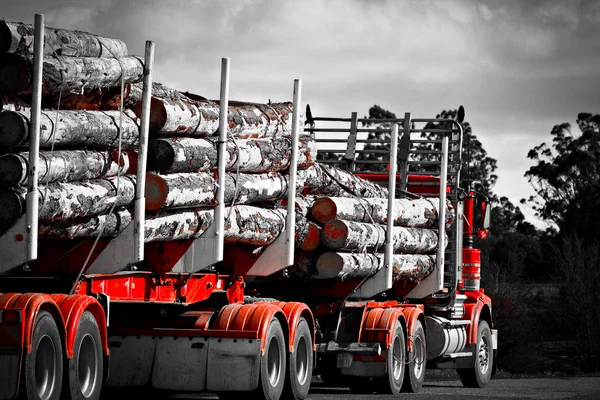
[518, 67]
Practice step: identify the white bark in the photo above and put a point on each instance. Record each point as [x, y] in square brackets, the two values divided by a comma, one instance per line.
[348, 235]
[407, 267]
[321, 179]
[184, 190]
[421, 213]
[18, 38]
[249, 155]
[98, 129]
[62, 166]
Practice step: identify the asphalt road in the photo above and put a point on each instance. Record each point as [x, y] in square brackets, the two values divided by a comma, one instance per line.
[499, 389]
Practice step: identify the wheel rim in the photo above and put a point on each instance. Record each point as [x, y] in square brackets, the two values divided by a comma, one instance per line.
[419, 356]
[302, 361]
[397, 354]
[87, 365]
[484, 355]
[45, 367]
[274, 362]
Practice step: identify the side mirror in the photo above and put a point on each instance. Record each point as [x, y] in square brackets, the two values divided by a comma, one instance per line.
[485, 215]
[482, 233]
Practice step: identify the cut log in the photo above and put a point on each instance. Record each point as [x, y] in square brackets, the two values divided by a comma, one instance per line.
[305, 264]
[180, 115]
[249, 155]
[348, 235]
[13, 206]
[62, 166]
[325, 180]
[88, 227]
[73, 74]
[185, 190]
[81, 128]
[308, 234]
[16, 37]
[407, 267]
[63, 201]
[421, 213]
[246, 224]
[177, 225]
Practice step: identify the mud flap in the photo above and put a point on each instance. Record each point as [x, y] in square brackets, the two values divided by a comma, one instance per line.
[180, 363]
[233, 364]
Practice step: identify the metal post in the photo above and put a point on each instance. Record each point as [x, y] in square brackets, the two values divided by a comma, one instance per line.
[34, 139]
[220, 210]
[140, 198]
[389, 238]
[440, 258]
[290, 222]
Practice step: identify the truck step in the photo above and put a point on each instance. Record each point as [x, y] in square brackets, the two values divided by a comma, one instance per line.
[459, 355]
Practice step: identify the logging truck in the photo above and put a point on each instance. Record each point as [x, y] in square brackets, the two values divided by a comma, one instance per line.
[157, 239]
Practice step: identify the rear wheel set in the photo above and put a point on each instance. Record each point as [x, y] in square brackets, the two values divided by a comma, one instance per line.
[46, 373]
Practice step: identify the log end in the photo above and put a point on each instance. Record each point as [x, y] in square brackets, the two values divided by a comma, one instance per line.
[335, 234]
[14, 74]
[156, 192]
[158, 114]
[329, 265]
[14, 129]
[324, 210]
[312, 239]
[12, 208]
[160, 155]
[9, 38]
[14, 170]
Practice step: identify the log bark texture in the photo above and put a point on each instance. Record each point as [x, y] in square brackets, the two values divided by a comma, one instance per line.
[62, 166]
[72, 74]
[63, 201]
[185, 190]
[16, 37]
[250, 155]
[348, 235]
[177, 114]
[421, 213]
[325, 180]
[407, 267]
[88, 227]
[246, 224]
[98, 129]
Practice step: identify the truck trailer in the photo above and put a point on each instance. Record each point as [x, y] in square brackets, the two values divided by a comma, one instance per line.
[355, 261]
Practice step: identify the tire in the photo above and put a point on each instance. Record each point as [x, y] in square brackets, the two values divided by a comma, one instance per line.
[300, 364]
[391, 382]
[479, 376]
[85, 369]
[417, 359]
[272, 364]
[43, 367]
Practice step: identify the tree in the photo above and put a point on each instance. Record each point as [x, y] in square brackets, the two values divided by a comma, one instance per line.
[476, 164]
[566, 177]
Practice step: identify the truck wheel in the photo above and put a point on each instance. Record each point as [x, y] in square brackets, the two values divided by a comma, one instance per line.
[391, 382]
[43, 367]
[415, 371]
[479, 376]
[86, 366]
[300, 364]
[272, 364]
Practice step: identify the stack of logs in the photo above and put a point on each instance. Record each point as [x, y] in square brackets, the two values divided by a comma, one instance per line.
[87, 187]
